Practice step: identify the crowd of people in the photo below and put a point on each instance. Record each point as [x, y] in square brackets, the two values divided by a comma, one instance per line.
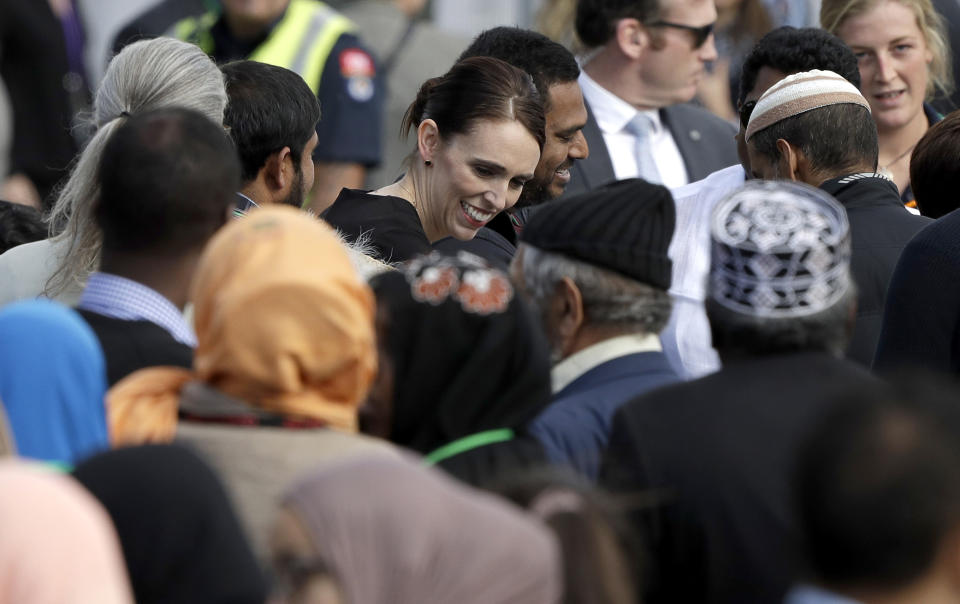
[570, 337]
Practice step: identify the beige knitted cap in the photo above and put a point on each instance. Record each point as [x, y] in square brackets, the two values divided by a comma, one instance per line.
[799, 93]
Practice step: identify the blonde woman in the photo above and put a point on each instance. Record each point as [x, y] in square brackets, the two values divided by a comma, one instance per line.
[904, 59]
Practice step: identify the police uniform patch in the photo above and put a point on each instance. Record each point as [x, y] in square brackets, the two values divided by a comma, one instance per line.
[357, 68]
[356, 62]
[360, 89]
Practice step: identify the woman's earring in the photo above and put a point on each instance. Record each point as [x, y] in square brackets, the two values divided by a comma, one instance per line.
[427, 162]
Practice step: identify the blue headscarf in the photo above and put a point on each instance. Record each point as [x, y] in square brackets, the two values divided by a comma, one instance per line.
[52, 382]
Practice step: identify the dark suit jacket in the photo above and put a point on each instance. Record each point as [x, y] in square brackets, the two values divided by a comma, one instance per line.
[880, 228]
[575, 428]
[705, 142]
[132, 345]
[720, 450]
[921, 320]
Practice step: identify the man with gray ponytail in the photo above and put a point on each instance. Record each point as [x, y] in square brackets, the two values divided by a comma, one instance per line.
[146, 75]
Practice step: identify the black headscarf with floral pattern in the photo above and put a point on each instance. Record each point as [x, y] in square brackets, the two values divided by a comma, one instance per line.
[467, 354]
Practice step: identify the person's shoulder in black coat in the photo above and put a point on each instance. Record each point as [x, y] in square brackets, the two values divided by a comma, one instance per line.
[488, 244]
[129, 346]
[718, 451]
[921, 320]
[880, 228]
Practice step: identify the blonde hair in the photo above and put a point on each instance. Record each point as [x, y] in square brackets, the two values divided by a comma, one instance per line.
[833, 13]
[146, 75]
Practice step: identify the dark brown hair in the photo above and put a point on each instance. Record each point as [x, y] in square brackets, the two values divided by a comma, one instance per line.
[596, 20]
[474, 89]
[934, 166]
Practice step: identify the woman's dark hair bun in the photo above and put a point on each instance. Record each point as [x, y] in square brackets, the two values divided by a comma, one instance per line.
[477, 88]
[414, 114]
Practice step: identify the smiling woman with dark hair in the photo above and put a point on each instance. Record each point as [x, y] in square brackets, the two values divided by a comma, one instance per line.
[480, 130]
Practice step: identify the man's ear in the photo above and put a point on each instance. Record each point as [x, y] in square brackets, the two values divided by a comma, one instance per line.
[278, 171]
[632, 38]
[568, 313]
[799, 166]
[789, 160]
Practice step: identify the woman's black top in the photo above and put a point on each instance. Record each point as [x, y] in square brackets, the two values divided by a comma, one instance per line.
[390, 224]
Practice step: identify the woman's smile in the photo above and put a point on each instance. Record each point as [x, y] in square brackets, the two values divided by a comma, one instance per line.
[475, 216]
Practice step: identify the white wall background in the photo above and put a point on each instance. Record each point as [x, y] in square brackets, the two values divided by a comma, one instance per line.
[470, 17]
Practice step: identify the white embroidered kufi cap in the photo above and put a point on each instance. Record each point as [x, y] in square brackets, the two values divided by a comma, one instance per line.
[779, 250]
[799, 93]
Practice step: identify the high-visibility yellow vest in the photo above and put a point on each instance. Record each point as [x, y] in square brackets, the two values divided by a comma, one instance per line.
[301, 41]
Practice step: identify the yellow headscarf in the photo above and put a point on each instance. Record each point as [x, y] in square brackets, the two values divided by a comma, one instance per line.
[283, 322]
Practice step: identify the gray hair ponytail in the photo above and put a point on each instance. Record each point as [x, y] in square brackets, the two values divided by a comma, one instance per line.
[146, 75]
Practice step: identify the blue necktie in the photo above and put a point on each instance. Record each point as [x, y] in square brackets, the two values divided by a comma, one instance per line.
[641, 127]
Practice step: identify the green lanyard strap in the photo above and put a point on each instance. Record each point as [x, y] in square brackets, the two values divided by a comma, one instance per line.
[461, 445]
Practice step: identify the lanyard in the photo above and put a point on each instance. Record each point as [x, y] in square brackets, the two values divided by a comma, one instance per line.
[462, 445]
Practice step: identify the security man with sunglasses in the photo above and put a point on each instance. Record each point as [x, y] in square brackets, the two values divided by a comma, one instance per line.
[645, 61]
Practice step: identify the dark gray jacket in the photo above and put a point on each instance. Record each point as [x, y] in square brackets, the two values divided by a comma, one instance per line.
[705, 141]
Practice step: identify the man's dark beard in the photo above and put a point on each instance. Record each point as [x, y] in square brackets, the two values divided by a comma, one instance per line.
[533, 194]
[295, 198]
[536, 193]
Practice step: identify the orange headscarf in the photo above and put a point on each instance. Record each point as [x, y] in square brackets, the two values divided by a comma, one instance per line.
[283, 322]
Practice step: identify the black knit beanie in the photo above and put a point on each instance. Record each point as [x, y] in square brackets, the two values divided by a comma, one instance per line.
[625, 226]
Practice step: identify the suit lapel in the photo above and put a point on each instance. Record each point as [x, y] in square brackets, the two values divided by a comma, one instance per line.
[689, 141]
[597, 169]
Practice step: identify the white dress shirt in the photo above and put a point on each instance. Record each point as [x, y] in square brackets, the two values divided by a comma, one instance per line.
[687, 342]
[613, 114]
[121, 298]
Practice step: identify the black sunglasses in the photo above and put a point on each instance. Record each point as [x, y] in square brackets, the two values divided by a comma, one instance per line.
[746, 110]
[700, 34]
